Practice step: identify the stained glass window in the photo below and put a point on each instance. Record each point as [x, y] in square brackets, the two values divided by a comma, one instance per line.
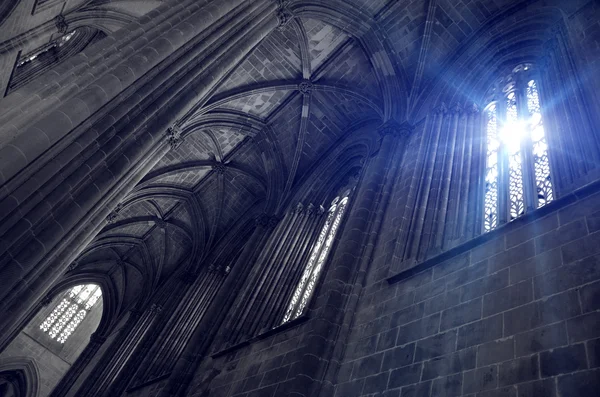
[516, 143]
[541, 162]
[491, 172]
[318, 256]
[71, 310]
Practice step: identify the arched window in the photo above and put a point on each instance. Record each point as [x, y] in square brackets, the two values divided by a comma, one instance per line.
[35, 63]
[306, 285]
[517, 176]
[69, 313]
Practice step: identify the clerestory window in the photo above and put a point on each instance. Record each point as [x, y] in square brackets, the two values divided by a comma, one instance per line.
[318, 256]
[517, 175]
[71, 311]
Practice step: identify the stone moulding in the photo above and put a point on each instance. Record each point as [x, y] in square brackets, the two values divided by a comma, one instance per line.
[550, 208]
[273, 331]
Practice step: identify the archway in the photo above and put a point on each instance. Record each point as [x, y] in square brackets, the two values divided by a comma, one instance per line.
[53, 339]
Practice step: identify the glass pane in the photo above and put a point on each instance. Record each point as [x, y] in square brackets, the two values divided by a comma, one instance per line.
[327, 247]
[540, 147]
[309, 266]
[69, 313]
[491, 173]
[513, 133]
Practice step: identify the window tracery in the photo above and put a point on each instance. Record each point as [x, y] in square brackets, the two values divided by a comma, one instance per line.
[517, 176]
[71, 311]
[318, 256]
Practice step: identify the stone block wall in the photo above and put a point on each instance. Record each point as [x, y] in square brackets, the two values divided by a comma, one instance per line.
[263, 368]
[512, 313]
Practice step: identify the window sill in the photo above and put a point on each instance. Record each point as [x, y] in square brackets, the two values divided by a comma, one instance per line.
[273, 331]
[526, 219]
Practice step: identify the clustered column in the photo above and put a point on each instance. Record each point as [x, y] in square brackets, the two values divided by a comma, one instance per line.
[96, 137]
[264, 300]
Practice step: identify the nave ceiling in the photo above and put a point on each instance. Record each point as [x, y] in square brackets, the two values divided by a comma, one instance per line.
[276, 119]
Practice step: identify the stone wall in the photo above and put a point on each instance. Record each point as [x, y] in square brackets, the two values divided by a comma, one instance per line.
[52, 358]
[511, 313]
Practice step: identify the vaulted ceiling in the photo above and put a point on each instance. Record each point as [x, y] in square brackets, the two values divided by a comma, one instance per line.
[249, 148]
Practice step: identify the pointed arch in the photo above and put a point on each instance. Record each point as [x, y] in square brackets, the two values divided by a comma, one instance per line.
[25, 372]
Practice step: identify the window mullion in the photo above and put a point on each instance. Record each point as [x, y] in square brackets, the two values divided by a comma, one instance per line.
[529, 188]
[503, 172]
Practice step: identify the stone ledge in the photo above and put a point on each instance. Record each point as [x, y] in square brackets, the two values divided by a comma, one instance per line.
[148, 382]
[273, 331]
[555, 206]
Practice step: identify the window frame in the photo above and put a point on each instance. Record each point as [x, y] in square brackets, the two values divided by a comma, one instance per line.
[515, 84]
[320, 253]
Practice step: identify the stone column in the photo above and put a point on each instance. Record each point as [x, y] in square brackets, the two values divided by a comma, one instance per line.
[367, 210]
[70, 164]
[86, 356]
[121, 350]
[205, 332]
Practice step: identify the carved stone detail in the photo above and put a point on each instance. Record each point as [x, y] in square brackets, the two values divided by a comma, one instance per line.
[284, 15]
[161, 224]
[219, 168]
[112, 217]
[305, 87]
[155, 308]
[61, 24]
[174, 137]
[391, 127]
[473, 109]
[72, 266]
[441, 109]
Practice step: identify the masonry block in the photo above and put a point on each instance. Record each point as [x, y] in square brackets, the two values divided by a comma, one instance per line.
[481, 379]
[435, 346]
[405, 376]
[519, 370]
[540, 339]
[584, 383]
[563, 360]
[453, 363]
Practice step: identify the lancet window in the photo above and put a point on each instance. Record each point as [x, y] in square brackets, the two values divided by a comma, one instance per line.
[318, 256]
[71, 311]
[517, 175]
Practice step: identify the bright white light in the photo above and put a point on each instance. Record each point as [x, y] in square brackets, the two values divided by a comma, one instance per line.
[512, 135]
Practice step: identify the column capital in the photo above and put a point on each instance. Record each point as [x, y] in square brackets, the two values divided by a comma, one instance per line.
[472, 108]
[267, 221]
[391, 127]
[284, 15]
[72, 266]
[61, 24]
[299, 208]
[112, 217]
[174, 137]
[441, 109]
[155, 308]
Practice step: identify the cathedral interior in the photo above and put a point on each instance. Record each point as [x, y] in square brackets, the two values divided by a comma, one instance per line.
[299, 198]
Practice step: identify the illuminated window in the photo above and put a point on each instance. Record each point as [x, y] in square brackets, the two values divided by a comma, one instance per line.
[71, 311]
[310, 276]
[517, 176]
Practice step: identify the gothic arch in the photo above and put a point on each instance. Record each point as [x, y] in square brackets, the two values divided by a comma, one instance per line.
[390, 73]
[498, 42]
[111, 298]
[26, 374]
